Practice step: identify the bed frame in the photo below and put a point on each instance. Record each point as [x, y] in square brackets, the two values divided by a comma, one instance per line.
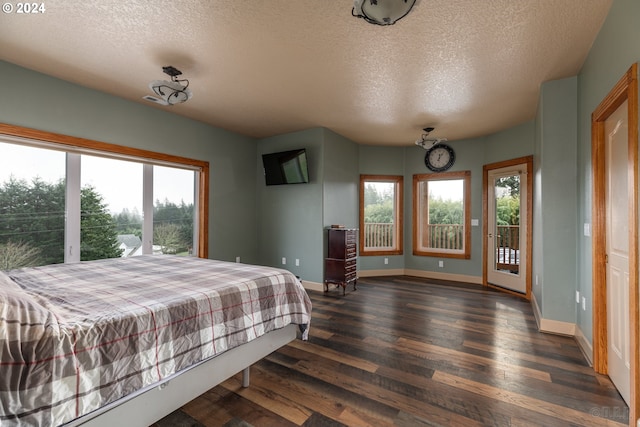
[152, 403]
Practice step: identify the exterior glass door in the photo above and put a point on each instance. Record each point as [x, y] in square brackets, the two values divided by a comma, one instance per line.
[506, 252]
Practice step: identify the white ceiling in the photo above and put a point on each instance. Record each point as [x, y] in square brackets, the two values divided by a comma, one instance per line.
[267, 67]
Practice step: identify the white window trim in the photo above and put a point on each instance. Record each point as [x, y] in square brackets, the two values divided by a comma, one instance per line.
[72, 210]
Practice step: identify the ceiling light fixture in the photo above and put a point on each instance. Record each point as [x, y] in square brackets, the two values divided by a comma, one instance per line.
[171, 92]
[425, 142]
[382, 12]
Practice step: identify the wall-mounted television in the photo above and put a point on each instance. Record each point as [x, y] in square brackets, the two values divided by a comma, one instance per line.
[286, 167]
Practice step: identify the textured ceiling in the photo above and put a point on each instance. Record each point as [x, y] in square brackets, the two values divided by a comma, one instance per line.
[262, 68]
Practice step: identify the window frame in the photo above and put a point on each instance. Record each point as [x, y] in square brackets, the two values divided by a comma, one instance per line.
[71, 144]
[465, 253]
[398, 181]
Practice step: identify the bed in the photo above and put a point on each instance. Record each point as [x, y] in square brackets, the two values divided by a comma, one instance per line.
[126, 341]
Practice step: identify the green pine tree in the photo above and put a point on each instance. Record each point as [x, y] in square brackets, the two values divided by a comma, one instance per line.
[98, 230]
[32, 216]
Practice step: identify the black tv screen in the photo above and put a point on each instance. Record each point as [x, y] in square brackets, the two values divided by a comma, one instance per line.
[286, 167]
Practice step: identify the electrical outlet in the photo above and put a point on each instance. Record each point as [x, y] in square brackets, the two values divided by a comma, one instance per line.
[440, 263]
[237, 259]
[284, 261]
[578, 297]
[297, 262]
[584, 303]
[386, 261]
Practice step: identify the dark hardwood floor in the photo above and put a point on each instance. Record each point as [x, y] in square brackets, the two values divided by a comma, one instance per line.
[410, 352]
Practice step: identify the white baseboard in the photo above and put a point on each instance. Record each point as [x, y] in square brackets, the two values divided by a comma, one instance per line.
[477, 280]
[536, 309]
[315, 286]
[312, 286]
[421, 273]
[372, 273]
[585, 346]
[558, 327]
[551, 326]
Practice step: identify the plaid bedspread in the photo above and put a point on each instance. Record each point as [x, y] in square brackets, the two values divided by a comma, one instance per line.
[74, 337]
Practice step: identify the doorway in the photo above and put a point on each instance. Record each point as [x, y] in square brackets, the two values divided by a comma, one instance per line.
[617, 249]
[614, 151]
[507, 199]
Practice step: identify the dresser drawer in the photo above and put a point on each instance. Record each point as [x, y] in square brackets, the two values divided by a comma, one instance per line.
[334, 269]
[342, 243]
[340, 265]
[350, 250]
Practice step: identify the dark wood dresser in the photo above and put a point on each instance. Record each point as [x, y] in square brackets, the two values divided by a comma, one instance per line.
[340, 265]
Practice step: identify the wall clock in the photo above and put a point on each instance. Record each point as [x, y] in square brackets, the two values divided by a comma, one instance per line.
[439, 158]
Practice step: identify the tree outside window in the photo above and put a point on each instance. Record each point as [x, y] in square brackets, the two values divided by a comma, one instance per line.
[32, 222]
[441, 215]
[35, 225]
[380, 215]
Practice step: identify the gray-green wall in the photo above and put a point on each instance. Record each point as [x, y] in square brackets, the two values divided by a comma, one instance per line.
[555, 218]
[614, 50]
[292, 218]
[377, 160]
[341, 181]
[471, 154]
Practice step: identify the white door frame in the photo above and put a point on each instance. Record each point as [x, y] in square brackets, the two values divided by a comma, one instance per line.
[528, 161]
[625, 89]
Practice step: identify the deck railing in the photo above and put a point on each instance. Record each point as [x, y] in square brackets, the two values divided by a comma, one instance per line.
[508, 247]
[451, 236]
[378, 235]
[444, 236]
[436, 236]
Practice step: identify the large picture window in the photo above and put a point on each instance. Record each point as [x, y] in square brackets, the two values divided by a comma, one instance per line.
[441, 214]
[380, 215]
[65, 199]
[32, 206]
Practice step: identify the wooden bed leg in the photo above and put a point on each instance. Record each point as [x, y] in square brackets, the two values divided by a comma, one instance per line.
[245, 377]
